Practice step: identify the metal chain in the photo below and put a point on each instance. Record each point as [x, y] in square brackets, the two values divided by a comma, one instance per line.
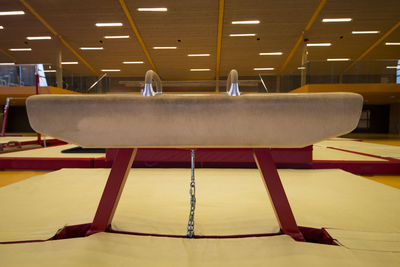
[192, 191]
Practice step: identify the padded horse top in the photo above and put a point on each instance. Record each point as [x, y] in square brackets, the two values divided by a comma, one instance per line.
[250, 120]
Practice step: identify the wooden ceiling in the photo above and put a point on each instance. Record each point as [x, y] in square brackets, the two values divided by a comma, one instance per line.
[192, 26]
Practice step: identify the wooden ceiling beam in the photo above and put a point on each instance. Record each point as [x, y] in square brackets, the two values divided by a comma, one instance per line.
[136, 31]
[9, 55]
[53, 31]
[369, 49]
[219, 40]
[301, 37]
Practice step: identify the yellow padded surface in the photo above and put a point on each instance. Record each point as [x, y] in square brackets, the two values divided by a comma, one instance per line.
[106, 249]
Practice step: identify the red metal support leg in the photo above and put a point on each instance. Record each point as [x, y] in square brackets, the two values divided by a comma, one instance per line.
[112, 191]
[276, 192]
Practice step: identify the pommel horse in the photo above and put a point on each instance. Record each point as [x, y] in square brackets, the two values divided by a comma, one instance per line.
[257, 121]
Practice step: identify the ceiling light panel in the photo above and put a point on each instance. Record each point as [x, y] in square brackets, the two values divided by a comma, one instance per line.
[337, 59]
[365, 32]
[198, 55]
[38, 37]
[110, 70]
[1, 27]
[263, 68]
[271, 54]
[319, 44]
[388, 43]
[337, 20]
[164, 47]
[10, 13]
[116, 37]
[109, 24]
[393, 67]
[7, 64]
[132, 62]
[152, 9]
[242, 34]
[91, 48]
[20, 49]
[246, 22]
[199, 69]
[69, 63]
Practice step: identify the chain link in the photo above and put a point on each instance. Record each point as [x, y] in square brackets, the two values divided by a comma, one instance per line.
[192, 191]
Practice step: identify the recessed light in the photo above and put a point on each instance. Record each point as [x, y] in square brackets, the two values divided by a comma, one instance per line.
[164, 47]
[337, 20]
[116, 37]
[393, 67]
[199, 69]
[242, 34]
[392, 43]
[1, 27]
[91, 48]
[301, 68]
[271, 54]
[198, 55]
[365, 32]
[20, 49]
[69, 63]
[153, 9]
[337, 59]
[110, 70]
[8, 13]
[246, 22]
[50, 70]
[263, 68]
[133, 62]
[319, 44]
[110, 24]
[7, 64]
[38, 37]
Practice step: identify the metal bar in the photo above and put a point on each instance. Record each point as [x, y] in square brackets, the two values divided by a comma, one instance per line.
[113, 189]
[276, 192]
[5, 116]
[96, 82]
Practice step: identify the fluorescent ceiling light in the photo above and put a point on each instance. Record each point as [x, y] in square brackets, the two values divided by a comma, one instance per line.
[109, 70]
[7, 64]
[337, 20]
[337, 59]
[69, 63]
[301, 68]
[198, 55]
[1, 27]
[199, 69]
[263, 68]
[271, 54]
[241, 34]
[91, 48]
[365, 32]
[153, 9]
[8, 13]
[50, 70]
[246, 22]
[116, 36]
[111, 24]
[38, 37]
[392, 43]
[319, 44]
[164, 47]
[133, 62]
[393, 67]
[20, 49]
